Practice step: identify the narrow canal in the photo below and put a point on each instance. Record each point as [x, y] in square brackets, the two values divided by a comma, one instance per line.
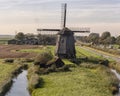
[19, 87]
[118, 76]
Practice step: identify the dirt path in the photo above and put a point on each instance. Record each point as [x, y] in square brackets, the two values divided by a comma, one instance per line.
[104, 54]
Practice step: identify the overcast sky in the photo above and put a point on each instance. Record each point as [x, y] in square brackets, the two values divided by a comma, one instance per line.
[28, 15]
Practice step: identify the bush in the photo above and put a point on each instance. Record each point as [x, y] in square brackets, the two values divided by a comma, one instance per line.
[9, 60]
[28, 60]
[104, 62]
[43, 58]
[76, 60]
[65, 68]
[89, 65]
[93, 60]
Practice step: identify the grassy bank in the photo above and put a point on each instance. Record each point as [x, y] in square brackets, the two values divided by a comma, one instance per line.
[111, 52]
[81, 81]
[84, 80]
[7, 72]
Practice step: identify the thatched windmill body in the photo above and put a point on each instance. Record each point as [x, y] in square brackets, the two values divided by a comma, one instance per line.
[65, 45]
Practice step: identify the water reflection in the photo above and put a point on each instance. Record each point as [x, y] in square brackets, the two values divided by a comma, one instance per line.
[19, 87]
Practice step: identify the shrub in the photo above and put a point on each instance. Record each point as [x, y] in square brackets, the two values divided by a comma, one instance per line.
[76, 61]
[65, 68]
[104, 62]
[89, 65]
[28, 60]
[52, 68]
[93, 60]
[9, 60]
[43, 58]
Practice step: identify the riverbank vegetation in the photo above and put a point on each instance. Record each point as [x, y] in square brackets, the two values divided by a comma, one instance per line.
[80, 81]
[8, 70]
[84, 79]
[85, 76]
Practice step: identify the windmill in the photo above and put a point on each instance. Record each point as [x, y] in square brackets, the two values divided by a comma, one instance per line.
[65, 45]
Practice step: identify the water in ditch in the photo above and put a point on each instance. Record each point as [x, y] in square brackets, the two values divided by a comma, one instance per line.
[19, 87]
[118, 76]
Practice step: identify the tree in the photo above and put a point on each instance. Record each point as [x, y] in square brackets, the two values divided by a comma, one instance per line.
[118, 40]
[29, 36]
[105, 35]
[104, 39]
[93, 37]
[20, 36]
[109, 40]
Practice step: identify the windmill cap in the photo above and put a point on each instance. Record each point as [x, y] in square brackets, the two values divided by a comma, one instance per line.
[65, 31]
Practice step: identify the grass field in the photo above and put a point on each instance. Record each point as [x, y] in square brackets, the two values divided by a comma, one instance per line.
[5, 40]
[80, 52]
[6, 72]
[84, 80]
[40, 49]
[83, 52]
[79, 82]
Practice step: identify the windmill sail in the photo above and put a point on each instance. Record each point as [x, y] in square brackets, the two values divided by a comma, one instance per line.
[65, 45]
[63, 16]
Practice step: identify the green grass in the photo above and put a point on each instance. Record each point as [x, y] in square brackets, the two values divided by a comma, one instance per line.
[83, 52]
[80, 52]
[4, 40]
[79, 82]
[39, 50]
[67, 62]
[116, 46]
[5, 71]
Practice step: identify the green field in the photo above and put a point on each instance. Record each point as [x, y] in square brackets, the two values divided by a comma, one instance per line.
[80, 52]
[6, 70]
[79, 82]
[87, 79]
[4, 40]
[83, 52]
[40, 49]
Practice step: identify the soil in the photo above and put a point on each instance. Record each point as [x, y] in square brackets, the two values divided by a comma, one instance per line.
[12, 51]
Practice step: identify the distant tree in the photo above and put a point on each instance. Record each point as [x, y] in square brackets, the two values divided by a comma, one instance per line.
[118, 40]
[94, 38]
[109, 40]
[20, 36]
[29, 36]
[46, 39]
[105, 35]
[39, 36]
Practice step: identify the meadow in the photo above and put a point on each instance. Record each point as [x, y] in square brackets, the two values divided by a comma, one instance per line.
[4, 39]
[80, 81]
[6, 74]
[86, 79]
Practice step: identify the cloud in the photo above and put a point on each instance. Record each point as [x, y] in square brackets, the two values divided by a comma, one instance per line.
[48, 12]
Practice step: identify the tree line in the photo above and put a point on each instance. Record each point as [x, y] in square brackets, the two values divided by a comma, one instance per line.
[39, 39]
[106, 38]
